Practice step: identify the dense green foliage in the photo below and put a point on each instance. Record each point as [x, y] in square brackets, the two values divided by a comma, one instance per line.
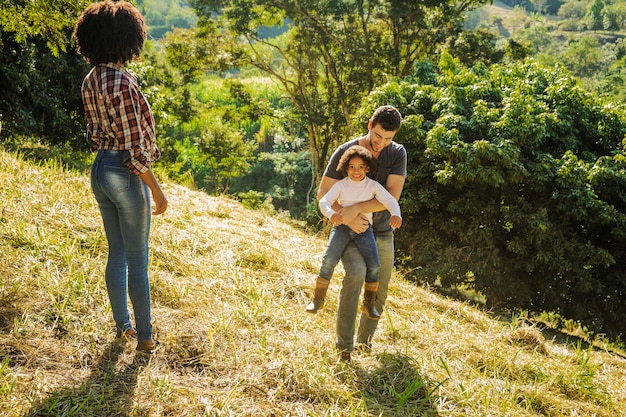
[47, 21]
[44, 91]
[516, 188]
[40, 74]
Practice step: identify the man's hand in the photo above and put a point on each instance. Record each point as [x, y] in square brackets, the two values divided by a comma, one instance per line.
[348, 214]
[359, 224]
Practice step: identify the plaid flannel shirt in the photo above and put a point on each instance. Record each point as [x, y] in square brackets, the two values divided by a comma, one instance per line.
[119, 116]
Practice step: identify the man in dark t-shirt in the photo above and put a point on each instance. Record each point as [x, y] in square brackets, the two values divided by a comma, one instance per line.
[391, 173]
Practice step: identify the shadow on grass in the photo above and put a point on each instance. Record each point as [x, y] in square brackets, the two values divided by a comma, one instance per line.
[9, 310]
[397, 389]
[577, 342]
[107, 392]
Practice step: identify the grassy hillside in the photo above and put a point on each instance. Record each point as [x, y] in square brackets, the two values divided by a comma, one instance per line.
[505, 19]
[229, 290]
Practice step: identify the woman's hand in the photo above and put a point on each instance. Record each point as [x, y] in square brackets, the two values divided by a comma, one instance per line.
[160, 201]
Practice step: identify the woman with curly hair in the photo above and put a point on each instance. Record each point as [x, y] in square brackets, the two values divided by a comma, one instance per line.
[121, 129]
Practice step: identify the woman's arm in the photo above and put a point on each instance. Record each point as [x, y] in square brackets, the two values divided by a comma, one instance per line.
[158, 196]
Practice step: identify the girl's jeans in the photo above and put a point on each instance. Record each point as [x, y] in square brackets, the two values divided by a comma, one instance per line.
[124, 201]
[354, 266]
[339, 238]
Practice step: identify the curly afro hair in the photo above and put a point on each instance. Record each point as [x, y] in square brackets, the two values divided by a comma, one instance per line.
[358, 151]
[110, 31]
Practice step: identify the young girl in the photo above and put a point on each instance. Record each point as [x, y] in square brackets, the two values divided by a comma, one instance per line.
[356, 187]
[121, 126]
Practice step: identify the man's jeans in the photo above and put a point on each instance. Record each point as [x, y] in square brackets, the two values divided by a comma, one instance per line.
[354, 266]
[124, 202]
[339, 238]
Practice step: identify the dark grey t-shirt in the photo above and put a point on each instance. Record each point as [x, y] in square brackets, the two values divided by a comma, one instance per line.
[392, 160]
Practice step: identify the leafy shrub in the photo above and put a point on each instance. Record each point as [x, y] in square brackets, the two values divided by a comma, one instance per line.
[516, 187]
[40, 92]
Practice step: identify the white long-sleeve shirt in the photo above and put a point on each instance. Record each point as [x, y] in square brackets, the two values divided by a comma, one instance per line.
[348, 192]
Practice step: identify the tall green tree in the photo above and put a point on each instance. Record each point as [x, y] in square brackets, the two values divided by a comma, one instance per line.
[595, 19]
[40, 73]
[47, 20]
[334, 53]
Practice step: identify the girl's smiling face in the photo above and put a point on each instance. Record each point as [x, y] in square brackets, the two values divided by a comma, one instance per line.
[357, 168]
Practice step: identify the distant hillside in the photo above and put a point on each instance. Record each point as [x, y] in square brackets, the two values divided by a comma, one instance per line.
[507, 20]
[164, 15]
[229, 290]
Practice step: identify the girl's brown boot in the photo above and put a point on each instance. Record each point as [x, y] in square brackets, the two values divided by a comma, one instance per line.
[319, 295]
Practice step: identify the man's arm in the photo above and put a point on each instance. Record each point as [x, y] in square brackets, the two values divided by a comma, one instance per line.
[325, 185]
[395, 184]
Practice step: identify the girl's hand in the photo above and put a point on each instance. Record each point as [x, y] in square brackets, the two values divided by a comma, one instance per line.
[348, 214]
[337, 219]
[395, 221]
[160, 201]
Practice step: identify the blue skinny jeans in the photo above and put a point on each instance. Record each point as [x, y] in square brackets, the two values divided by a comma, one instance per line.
[339, 238]
[347, 309]
[124, 202]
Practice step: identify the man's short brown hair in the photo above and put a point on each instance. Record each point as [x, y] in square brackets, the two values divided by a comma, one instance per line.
[388, 117]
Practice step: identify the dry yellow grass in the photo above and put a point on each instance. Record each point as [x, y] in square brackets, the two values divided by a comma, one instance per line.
[229, 290]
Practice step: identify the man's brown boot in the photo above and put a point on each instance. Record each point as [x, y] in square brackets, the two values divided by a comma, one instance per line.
[369, 297]
[319, 294]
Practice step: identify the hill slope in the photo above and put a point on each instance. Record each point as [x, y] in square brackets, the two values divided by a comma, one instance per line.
[229, 290]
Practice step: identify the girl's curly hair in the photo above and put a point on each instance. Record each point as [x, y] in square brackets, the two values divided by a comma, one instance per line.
[361, 152]
[110, 31]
